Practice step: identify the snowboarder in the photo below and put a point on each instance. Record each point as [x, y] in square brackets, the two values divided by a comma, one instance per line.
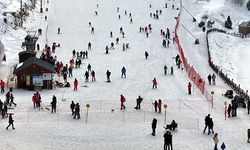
[159, 105]
[154, 83]
[165, 69]
[11, 121]
[207, 119]
[108, 73]
[123, 70]
[77, 111]
[189, 88]
[122, 100]
[72, 107]
[216, 140]
[75, 84]
[146, 54]
[138, 102]
[154, 123]
[213, 78]
[209, 77]
[93, 75]
[53, 104]
[2, 84]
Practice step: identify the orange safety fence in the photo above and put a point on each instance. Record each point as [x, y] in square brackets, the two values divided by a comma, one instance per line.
[192, 73]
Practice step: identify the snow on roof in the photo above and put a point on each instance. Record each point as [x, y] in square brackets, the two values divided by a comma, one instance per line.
[245, 24]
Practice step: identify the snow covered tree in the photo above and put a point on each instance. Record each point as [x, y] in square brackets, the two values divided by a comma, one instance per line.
[228, 23]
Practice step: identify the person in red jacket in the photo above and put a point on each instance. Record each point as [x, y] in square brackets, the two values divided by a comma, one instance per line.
[122, 99]
[2, 84]
[189, 88]
[154, 83]
[75, 84]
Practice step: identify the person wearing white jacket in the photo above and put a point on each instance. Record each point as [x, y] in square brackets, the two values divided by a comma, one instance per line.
[216, 140]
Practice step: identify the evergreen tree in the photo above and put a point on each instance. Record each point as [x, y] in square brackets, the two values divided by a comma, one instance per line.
[248, 5]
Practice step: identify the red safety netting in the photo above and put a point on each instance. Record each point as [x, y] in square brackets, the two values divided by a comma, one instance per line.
[192, 73]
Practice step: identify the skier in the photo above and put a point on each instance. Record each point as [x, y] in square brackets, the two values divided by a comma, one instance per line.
[123, 34]
[86, 76]
[117, 40]
[89, 46]
[75, 84]
[207, 119]
[92, 30]
[189, 88]
[165, 69]
[53, 104]
[108, 73]
[86, 54]
[216, 140]
[58, 30]
[11, 121]
[123, 47]
[89, 68]
[154, 83]
[123, 72]
[7, 97]
[209, 77]
[146, 54]
[213, 78]
[248, 106]
[4, 110]
[155, 105]
[72, 107]
[121, 29]
[93, 75]
[111, 34]
[154, 123]
[229, 109]
[172, 70]
[164, 43]
[122, 100]
[177, 57]
[2, 84]
[107, 49]
[77, 111]
[112, 45]
[159, 105]
[138, 102]
[168, 43]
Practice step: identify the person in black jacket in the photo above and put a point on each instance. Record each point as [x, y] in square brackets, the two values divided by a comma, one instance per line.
[154, 123]
[210, 126]
[108, 73]
[207, 119]
[155, 105]
[77, 111]
[72, 107]
[53, 104]
[229, 109]
[168, 141]
[138, 103]
[10, 122]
